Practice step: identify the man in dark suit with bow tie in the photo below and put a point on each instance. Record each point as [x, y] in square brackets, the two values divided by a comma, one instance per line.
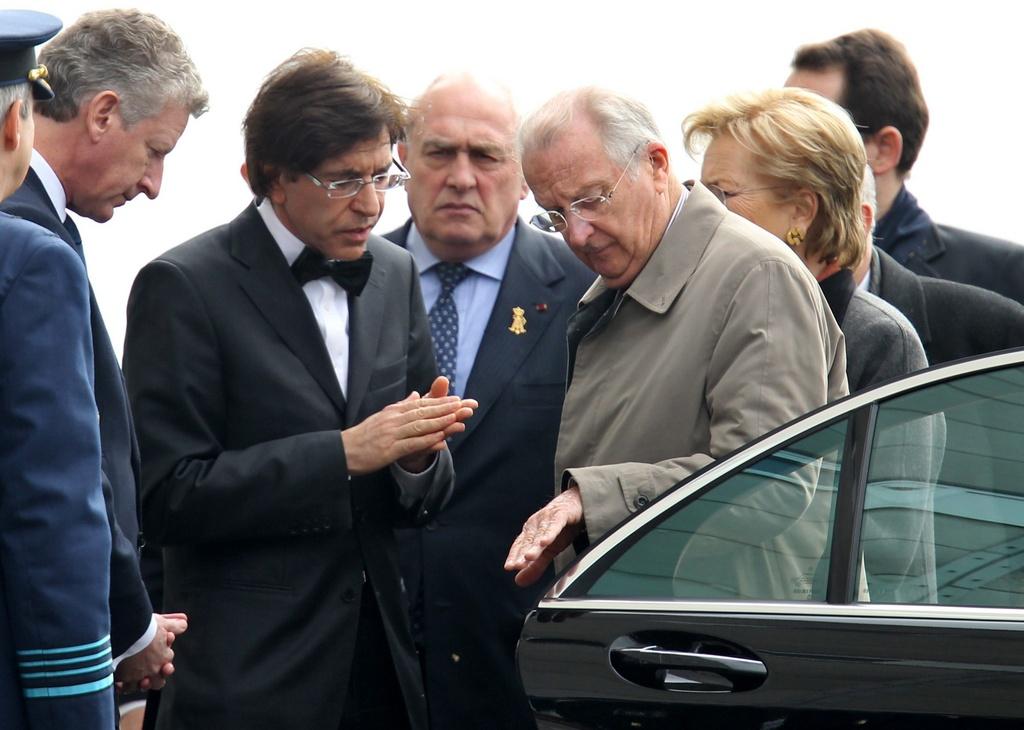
[124, 89]
[499, 295]
[290, 416]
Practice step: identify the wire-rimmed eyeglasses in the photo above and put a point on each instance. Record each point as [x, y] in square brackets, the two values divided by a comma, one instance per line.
[393, 178]
[725, 196]
[589, 208]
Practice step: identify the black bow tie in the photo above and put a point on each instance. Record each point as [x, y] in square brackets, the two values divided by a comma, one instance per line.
[350, 275]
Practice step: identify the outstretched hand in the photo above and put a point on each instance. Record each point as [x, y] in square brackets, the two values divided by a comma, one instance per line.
[546, 533]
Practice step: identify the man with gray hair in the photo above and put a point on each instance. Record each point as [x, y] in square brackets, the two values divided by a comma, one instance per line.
[702, 333]
[124, 89]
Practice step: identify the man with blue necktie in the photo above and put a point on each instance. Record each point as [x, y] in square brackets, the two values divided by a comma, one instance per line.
[499, 294]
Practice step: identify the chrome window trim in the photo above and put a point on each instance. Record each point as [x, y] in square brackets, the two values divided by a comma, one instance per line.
[840, 408]
[799, 609]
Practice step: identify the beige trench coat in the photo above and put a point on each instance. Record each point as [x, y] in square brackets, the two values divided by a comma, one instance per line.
[723, 336]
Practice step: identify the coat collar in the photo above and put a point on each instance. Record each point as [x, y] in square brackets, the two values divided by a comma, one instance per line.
[676, 257]
[908, 234]
[838, 290]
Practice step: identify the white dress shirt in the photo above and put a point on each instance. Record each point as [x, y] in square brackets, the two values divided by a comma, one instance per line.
[327, 298]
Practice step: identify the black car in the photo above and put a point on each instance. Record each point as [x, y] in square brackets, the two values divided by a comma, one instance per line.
[862, 567]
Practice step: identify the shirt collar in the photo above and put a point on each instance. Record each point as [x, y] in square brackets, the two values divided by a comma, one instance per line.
[51, 183]
[675, 213]
[290, 244]
[865, 283]
[491, 263]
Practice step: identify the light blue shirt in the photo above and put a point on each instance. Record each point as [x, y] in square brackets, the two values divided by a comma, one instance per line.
[474, 296]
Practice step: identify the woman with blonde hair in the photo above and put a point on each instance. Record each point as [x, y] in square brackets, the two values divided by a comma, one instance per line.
[793, 163]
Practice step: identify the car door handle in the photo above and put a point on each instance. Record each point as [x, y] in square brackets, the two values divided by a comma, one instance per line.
[688, 671]
[657, 657]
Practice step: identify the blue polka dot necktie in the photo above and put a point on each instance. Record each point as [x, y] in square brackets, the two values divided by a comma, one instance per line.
[444, 320]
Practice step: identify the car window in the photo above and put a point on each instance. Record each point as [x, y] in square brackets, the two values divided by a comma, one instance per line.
[944, 506]
[759, 534]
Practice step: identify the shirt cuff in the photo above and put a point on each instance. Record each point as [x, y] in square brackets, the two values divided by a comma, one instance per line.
[141, 643]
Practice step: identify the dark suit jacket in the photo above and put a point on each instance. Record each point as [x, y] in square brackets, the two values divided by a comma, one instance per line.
[54, 536]
[266, 537]
[953, 320]
[971, 258]
[908, 234]
[130, 608]
[472, 611]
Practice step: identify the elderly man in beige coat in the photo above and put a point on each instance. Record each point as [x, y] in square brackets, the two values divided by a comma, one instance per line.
[702, 333]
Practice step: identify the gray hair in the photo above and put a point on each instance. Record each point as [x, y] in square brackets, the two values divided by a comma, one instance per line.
[623, 124]
[130, 52]
[15, 92]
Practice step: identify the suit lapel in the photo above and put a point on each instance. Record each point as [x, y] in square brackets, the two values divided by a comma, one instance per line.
[365, 314]
[270, 286]
[36, 187]
[529, 281]
[902, 288]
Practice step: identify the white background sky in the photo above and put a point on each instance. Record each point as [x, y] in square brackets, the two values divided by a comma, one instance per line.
[673, 56]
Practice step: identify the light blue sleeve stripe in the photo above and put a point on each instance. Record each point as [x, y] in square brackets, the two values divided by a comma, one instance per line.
[65, 650]
[75, 660]
[69, 672]
[70, 690]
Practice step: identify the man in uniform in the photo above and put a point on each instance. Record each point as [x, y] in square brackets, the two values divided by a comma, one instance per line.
[55, 662]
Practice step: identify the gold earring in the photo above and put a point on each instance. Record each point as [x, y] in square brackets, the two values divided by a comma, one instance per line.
[794, 237]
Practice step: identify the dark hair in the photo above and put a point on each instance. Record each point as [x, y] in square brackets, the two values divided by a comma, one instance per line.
[314, 106]
[880, 88]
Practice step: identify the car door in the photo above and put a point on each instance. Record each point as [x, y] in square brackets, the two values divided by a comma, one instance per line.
[861, 569]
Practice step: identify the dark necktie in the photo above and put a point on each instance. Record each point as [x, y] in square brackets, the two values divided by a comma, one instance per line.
[444, 320]
[350, 275]
[591, 318]
[76, 237]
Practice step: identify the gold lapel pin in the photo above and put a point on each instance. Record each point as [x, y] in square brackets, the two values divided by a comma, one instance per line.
[518, 326]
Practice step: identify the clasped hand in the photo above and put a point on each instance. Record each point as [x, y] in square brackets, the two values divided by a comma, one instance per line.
[149, 668]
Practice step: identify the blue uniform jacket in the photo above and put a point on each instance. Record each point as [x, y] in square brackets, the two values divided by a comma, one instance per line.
[55, 663]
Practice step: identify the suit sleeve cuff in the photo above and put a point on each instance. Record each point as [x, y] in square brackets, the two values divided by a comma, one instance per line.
[414, 485]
